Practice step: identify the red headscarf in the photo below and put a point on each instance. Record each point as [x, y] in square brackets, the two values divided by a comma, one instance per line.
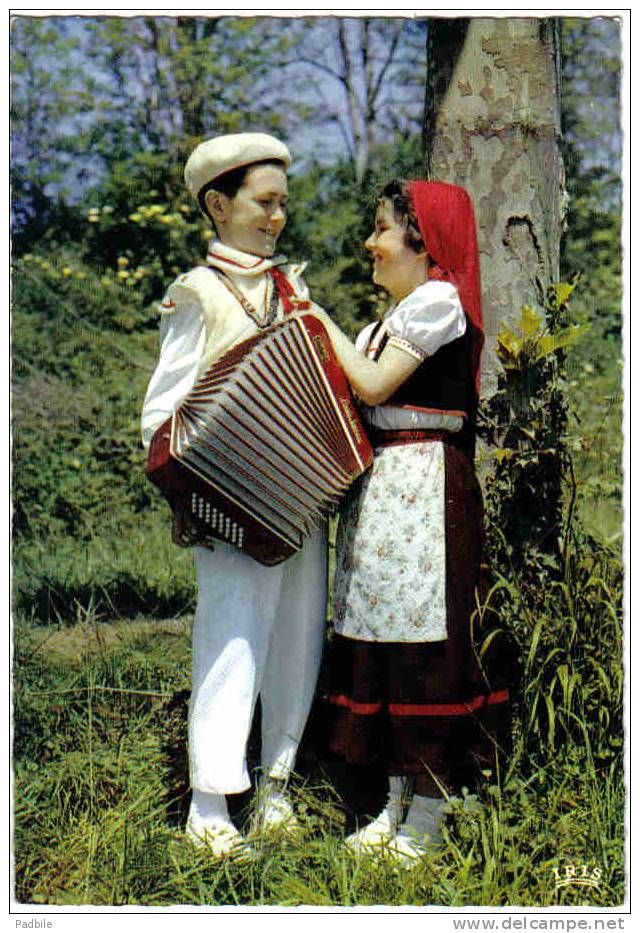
[447, 225]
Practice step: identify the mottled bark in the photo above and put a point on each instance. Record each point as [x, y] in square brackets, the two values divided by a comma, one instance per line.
[493, 126]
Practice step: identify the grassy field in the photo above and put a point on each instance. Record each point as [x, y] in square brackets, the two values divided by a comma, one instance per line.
[101, 796]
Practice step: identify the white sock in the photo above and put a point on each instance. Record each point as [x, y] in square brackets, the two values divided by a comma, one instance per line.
[209, 808]
[273, 787]
[425, 816]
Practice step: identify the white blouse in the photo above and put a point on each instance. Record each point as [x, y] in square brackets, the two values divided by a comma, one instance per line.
[423, 322]
[427, 319]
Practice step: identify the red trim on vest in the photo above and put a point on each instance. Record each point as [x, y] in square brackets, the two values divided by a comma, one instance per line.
[429, 411]
[423, 709]
[390, 438]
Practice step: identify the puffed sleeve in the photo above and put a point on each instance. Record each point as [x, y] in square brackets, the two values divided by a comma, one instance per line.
[427, 319]
[182, 341]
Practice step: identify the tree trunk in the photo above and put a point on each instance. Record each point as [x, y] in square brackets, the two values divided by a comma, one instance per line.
[493, 126]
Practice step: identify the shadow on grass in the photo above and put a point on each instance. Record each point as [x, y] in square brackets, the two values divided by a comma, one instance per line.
[360, 791]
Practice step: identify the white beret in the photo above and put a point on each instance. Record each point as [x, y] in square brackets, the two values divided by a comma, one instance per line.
[219, 155]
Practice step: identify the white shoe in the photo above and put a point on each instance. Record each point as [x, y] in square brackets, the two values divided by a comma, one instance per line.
[273, 810]
[209, 825]
[220, 837]
[383, 829]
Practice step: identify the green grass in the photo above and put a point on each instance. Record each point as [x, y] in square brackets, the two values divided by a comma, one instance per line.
[117, 573]
[101, 792]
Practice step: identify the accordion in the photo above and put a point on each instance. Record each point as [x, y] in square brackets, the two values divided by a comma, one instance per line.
[265, 444]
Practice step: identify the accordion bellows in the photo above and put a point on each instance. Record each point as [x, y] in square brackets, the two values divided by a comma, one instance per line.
[265, 444]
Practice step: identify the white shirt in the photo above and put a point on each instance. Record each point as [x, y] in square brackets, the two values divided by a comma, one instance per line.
[201, 321]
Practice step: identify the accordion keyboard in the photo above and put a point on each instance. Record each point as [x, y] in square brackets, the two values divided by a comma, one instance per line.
[214, 517]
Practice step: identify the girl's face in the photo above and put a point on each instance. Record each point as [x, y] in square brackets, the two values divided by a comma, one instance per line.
[253, 220]
[396, 266]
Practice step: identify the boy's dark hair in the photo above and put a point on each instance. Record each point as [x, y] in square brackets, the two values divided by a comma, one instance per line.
[229, 183]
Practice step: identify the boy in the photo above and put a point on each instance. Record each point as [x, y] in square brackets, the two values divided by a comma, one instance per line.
[257, 630]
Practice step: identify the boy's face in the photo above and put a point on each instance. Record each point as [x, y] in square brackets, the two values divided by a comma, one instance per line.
[253, 220]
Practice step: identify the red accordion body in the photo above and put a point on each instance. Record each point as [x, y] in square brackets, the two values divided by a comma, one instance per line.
[265, 444]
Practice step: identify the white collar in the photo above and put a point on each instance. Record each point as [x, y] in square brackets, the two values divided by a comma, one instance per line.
[232, 260]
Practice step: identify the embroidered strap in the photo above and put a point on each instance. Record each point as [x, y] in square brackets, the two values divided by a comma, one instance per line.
[271, 300]
[285, 288]
[281, 290]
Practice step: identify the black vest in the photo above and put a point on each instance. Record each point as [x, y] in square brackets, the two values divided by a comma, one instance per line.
[443, 382]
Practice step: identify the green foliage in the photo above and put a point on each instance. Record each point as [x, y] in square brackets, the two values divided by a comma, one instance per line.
[44, 84]
[84, 513]
[80, 376]
[143, 227]
[591, 99]
[592, 248]
[525, 424]
[329, 232]
[568, 625]
[87, 94]
[557, 591]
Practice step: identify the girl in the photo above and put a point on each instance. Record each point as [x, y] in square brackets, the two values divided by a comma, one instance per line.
[407, 688]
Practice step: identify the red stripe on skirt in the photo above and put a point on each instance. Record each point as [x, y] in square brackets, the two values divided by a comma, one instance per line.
[423, 709]
[448, 709]
[365, 709]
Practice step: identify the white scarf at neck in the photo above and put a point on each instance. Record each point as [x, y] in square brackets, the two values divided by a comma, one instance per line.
[230, 260]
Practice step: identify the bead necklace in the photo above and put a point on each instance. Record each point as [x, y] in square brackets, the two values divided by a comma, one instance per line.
[271, 298]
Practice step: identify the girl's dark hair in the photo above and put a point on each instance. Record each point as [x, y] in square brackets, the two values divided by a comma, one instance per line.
[398, 193]
[229, 183]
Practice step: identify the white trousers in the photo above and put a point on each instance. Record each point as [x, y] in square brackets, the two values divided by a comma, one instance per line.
[257, 630]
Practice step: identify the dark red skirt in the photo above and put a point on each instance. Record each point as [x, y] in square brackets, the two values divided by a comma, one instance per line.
[429, 708]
